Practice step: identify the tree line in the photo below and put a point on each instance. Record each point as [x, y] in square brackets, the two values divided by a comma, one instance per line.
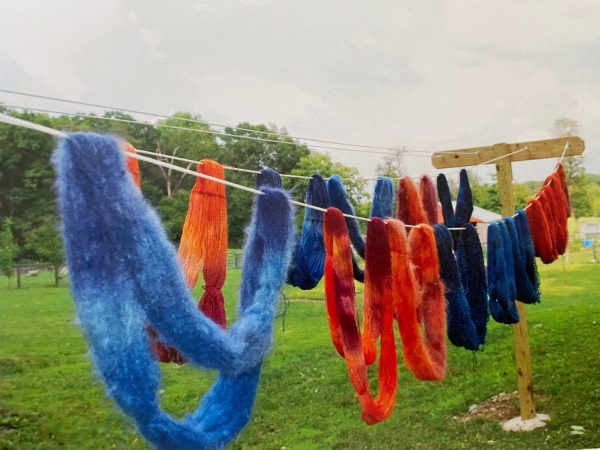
[28, 216]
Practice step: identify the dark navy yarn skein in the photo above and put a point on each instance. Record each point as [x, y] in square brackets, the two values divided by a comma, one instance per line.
[460, 326]
[308, 260]
[469, 257]
[528, 285]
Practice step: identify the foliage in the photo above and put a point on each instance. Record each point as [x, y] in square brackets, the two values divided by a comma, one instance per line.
[8, 248]
[45, 241]
[392, 165]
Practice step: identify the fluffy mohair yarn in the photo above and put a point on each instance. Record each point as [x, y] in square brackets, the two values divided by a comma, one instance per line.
[341, 312]
[501, 274]
[543, 243]
[418, 297]
[461, 328]
[456, 217]
[308, 261]
[429, 199]
[125, 274]
[410, 208]
[383, 198]
[527, 282]
[338, 199]
[164, 352]
[469, 257]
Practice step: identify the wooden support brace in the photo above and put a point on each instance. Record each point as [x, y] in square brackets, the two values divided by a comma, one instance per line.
[550, 148]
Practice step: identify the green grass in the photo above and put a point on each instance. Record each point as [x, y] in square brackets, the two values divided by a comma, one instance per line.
[50, 398]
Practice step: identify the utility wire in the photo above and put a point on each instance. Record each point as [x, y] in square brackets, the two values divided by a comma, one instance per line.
[164, 116]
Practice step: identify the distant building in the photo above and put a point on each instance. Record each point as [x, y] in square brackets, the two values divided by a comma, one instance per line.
[480, 216]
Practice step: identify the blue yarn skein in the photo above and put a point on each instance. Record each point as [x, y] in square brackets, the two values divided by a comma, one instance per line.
[455, 217]
[460, 326]
[125, 275]
[383, 198]
[469, 256]
[501, 275]
[269, 177]
[528, 286]
[339, 200]
[308, 260]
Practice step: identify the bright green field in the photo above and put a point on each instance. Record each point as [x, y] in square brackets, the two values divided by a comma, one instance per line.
[49, 397]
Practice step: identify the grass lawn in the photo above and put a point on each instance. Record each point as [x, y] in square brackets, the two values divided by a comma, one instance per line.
[50, 398]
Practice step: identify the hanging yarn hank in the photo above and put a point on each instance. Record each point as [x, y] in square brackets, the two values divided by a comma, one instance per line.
[429, 199]
[456, 217]
[560, 210]
[469, 257]
[125, 275]
[461, 328]
[418, 298]
[526, 278]
[410, 209]
[203, 244]
[308, 261]
[163, 351]
[501, 275]
[383, 198]
[540, 232]
[338, 199]
[341, 313]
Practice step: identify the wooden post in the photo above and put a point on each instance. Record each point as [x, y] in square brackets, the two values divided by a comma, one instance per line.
[483, 155]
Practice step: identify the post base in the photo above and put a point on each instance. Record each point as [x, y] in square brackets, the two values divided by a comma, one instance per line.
[518, 424]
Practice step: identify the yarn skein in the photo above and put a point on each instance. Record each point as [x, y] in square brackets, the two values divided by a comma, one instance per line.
[203, 244]
[410, 209]
[269, 177]
[456, 217]
[560, 170]
[526, 276]
[132, 164]
[528, 289]
[125, 274]
[418, 298]
[501, 275]
[164, 352]
[461, 328]
[469, 257]
[429, 199]
[383, 198]
[338, 199]
[308, 261]
[543, 243]
[558, 203]
[341, 312]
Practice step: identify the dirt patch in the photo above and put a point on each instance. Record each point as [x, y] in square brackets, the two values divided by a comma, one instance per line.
[501, 407]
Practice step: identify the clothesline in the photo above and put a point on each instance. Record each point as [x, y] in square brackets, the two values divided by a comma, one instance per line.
[59, 134]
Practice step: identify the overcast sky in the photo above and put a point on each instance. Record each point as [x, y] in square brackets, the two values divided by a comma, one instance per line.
[428, 75]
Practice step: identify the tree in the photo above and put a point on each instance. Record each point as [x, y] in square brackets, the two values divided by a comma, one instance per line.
[575, 171]
[46, 243]
[392, 165]
[8, 249]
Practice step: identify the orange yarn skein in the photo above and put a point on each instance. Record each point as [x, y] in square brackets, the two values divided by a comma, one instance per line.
[418, 296]
[203, 244]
